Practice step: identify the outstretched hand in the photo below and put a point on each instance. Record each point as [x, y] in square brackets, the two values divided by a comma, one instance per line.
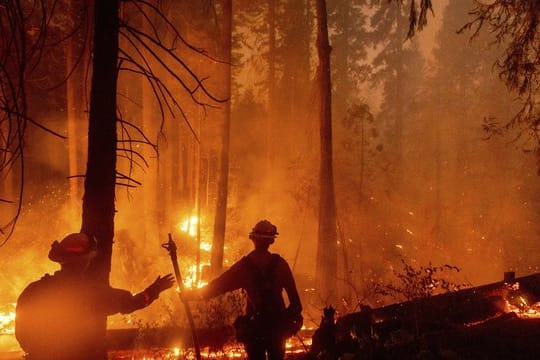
[160, 284]
[163, 283]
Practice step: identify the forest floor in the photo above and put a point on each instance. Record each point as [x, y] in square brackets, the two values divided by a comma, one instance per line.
[502, 337]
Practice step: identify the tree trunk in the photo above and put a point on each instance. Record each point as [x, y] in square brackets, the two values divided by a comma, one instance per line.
[216, 260]
[151, 191]
[327, 239]
[341, 78]
[76, 65]
[99, 185]
[271, 85]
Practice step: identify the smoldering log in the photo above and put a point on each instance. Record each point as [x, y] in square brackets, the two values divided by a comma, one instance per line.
[466, 306]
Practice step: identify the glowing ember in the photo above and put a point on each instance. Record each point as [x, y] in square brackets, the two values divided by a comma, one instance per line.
[517, 303]
[523, 310]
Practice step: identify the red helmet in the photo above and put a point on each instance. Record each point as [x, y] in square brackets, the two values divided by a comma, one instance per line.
[72, 248]
[264, 229]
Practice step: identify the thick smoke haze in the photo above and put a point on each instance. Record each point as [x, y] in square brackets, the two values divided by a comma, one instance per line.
[417, 176]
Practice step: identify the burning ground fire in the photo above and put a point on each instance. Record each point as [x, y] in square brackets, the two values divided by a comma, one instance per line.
[515, 300]
[295, 345]
[519, 304]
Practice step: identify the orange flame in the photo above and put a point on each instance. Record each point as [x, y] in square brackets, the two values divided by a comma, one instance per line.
[7, 320]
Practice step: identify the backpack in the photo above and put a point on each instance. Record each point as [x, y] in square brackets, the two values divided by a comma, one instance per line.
[265, 320]
[267, 300]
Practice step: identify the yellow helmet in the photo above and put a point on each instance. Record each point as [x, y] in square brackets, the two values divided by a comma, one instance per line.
[263, 229]
[74, 247]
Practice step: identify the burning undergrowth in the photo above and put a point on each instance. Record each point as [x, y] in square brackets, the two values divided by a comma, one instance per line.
[437, 316]
[434, 315]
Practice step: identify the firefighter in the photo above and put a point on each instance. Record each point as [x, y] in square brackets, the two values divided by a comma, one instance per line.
[62, 316]
[267, 321]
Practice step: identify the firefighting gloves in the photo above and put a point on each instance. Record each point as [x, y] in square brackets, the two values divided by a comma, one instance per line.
[293, 322]
[161, 283]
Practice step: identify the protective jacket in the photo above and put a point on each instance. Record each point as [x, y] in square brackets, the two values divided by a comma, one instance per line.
[61, 316]
[264, 287]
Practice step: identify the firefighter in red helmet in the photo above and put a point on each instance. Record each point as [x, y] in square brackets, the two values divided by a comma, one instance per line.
[61, 316]
[267, 321]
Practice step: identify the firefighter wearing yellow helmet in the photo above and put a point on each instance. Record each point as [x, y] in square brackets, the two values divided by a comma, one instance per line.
[61, 316]
[267, 321]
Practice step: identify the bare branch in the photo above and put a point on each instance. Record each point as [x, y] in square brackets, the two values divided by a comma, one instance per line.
[171, 27]
[141, 37]
[160, 90]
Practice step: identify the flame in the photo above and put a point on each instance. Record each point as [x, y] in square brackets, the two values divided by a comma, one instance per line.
[189, 225]
[206, 246]
[519, 303]
[7, 320]
[190, 281]
[522, 309]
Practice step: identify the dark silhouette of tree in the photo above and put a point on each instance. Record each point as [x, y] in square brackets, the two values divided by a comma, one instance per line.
[327, 235]
[349, 49]
[100, 179]
[218, 243]
[396, 70]
[148, 55]
[350, 40]
[466, 96]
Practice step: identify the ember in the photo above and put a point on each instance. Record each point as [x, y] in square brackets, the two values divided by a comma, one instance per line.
[231, 351]
[518, 304]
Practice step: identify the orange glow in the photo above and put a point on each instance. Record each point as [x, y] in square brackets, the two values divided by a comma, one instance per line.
[206, 246]
[7, 320]
[189, 225]
[191, 276]
[522, 309]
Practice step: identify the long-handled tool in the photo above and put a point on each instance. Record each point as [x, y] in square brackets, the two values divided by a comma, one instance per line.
[171, 248]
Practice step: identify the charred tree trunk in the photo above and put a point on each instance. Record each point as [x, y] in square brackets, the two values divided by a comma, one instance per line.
[327, 238]
[216, 261]
[99, 185]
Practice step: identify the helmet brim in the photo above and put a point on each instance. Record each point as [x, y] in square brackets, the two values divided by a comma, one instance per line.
[262, 236]
[63, 257]
[73, 248]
